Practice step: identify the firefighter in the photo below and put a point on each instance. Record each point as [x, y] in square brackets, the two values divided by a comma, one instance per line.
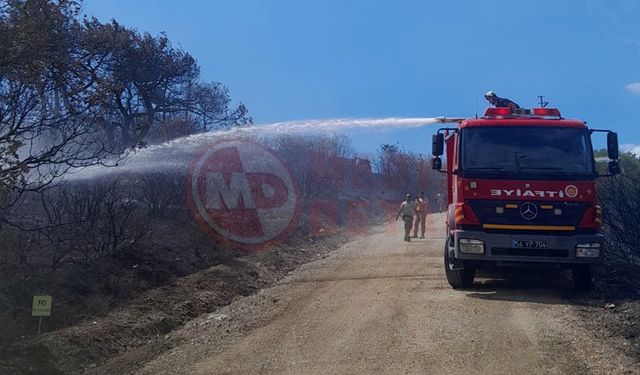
[407, 210]
[497, 101]
[421, 216]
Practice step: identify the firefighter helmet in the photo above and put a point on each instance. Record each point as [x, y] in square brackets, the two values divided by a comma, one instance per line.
[490, 94]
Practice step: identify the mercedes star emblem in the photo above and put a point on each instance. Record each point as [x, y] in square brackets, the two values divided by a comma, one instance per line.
[528, 211]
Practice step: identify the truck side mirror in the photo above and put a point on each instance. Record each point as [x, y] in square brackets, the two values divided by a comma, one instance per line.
[614, 167]
[437, 148]
[612, 147]
[436, 163]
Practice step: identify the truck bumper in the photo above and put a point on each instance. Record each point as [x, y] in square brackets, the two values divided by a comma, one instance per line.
[499, 249]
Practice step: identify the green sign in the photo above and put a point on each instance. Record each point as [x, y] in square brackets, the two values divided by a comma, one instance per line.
[41, 306]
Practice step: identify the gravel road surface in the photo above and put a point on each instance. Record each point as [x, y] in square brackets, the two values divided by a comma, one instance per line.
[381, 305]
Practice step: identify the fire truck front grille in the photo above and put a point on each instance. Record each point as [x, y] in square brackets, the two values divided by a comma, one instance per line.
[507, 212]
[550, 253]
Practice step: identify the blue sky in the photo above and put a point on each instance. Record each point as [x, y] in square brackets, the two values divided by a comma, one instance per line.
[303, 59]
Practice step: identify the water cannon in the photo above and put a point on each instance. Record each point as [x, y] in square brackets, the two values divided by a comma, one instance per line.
[445, 120]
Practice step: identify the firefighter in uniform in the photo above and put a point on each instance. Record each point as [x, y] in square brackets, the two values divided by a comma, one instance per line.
[421, 216]
[497, 101]
[407, 210]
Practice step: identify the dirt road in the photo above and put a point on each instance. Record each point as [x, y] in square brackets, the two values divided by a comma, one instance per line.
[380, 305]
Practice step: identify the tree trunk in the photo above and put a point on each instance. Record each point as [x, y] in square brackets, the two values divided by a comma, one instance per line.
[107, 126]
[144, 130]
[146, 125]
[125, 132]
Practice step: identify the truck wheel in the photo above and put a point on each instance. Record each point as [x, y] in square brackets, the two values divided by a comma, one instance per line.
[457, 278]
[582, 278]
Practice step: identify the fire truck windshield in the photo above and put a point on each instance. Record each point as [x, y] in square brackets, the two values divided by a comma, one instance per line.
[526, 152]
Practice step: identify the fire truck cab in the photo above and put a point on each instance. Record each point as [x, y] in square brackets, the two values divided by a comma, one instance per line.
[521, 192]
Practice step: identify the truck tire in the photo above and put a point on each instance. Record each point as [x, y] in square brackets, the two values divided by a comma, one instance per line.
[457, 278]
[582, 278]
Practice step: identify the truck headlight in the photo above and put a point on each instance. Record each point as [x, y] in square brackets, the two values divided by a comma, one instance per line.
[588, 250]
[470, 246]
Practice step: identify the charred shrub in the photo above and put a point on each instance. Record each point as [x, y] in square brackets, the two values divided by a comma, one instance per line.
[161, 193]
[620, 200]
[316, 161]
[83, 222]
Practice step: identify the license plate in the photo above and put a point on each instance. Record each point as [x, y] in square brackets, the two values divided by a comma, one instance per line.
[529, 244]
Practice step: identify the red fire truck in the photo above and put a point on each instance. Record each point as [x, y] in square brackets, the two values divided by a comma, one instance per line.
[521, 192]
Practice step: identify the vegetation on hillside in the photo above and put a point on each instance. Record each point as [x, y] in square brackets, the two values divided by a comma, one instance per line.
[620, 200]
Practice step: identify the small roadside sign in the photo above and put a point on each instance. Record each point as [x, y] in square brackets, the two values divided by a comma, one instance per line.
[41, 306]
